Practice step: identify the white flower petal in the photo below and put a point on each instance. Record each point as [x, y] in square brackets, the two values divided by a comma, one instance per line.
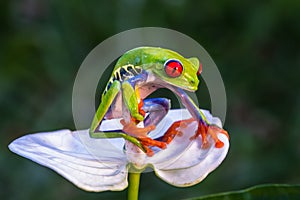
[178, 145]
[101, 164]
[171, 117]
[194, 165]
[66, 153]
[175, 150]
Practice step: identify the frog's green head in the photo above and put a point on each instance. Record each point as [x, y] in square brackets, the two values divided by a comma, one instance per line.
[171, 67]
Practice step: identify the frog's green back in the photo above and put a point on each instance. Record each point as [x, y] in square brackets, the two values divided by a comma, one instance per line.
[142, 56]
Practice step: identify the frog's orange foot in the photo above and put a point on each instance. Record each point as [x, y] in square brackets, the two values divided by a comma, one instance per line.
[148, 142]
[174, 130]
[131, 129]
[213, 131]
[141, 134]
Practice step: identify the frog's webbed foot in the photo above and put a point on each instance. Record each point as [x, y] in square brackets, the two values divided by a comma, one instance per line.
[132, 129]
[141, 134]
[148, 142]
[203, 130]
[212, 130]
[174, 130]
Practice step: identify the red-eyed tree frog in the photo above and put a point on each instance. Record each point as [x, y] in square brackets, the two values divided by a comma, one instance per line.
[138, 73]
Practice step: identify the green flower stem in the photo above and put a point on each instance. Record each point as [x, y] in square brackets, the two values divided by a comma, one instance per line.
[134, 183]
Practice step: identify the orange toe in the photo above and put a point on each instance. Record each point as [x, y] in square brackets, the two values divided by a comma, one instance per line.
[173, 130]
[131, 129]
[204, 130]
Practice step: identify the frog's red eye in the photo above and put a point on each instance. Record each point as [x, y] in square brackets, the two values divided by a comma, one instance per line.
[173, 68]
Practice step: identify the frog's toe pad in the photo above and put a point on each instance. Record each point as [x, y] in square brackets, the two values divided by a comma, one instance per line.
[209, 130]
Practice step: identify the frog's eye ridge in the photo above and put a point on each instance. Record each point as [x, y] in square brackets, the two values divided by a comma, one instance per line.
[173, 68]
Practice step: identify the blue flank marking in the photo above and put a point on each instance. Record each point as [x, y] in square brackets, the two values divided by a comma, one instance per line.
[141, 77]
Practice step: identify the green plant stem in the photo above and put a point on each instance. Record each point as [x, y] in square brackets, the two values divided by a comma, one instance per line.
[134, 183]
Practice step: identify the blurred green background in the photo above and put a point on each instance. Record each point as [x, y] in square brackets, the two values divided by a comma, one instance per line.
[255, 44]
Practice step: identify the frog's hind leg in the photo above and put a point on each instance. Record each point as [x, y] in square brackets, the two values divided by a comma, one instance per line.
[140, 134]
[157, 109]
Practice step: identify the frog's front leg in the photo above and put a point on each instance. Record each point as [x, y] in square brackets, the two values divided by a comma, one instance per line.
[132, 101]
[204, 127]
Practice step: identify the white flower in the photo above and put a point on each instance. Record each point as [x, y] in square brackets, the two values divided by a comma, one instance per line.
[103, 164]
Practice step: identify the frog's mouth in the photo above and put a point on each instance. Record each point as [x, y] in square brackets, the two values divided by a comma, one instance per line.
[148, 88]
[191, 87]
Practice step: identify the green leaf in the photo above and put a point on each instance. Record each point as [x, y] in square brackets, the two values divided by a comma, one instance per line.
[268, 191]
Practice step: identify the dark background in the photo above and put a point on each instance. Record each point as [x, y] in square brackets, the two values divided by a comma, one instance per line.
[255, 45]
